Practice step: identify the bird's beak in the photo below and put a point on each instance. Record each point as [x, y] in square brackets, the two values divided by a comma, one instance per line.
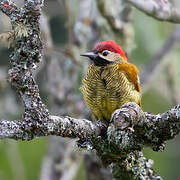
[90, 55]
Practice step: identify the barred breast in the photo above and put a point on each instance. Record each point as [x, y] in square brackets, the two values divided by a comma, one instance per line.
[106, 89]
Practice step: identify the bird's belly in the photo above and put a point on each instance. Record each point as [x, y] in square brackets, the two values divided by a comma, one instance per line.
[106, 105]
[107, 102]
[104, 100]
[107, 92]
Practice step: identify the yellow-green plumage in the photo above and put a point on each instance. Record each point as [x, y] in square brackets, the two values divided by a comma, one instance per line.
[107, 88]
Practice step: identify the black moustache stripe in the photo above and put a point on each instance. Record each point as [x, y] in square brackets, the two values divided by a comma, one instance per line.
[98, 61]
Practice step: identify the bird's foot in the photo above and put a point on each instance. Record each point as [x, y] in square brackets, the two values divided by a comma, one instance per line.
[84, 143]
[103, 128]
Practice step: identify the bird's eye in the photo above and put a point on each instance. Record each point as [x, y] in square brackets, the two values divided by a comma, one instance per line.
[105, 53]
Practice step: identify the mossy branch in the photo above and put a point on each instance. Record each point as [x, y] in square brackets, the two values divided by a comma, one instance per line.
[119, 145]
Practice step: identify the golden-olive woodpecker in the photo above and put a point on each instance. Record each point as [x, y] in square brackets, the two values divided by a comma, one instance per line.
[110, 81]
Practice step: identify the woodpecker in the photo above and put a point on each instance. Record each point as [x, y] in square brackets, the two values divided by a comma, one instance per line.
[110, 82]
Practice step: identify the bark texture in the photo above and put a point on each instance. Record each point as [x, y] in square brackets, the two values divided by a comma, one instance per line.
[119, 145]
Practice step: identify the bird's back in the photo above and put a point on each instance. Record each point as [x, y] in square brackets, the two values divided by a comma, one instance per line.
[106, 89]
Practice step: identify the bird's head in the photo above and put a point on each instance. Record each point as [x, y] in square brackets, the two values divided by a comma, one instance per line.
[106, 52]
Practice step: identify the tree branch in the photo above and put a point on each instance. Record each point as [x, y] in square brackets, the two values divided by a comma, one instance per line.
[150, 129]
[8, 7]
[147, 129]
[120, 144]
[159, 9]
[56, 125]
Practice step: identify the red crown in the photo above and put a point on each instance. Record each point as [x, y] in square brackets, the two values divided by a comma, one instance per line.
[111, 46]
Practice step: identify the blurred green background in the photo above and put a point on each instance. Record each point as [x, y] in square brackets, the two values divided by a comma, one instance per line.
[23, 160]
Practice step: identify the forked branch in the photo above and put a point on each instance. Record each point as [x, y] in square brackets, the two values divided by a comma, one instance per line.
[120, 144]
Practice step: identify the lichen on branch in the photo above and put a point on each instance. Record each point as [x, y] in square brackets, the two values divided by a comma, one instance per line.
[119, 145]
